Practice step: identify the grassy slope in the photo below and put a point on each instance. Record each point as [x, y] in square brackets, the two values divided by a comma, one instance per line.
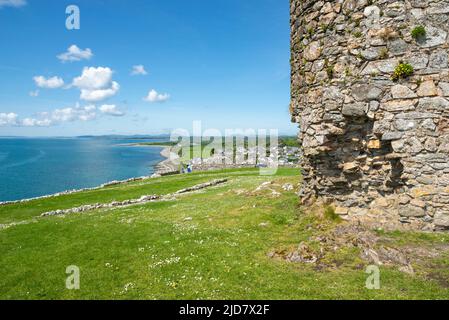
[153, 252]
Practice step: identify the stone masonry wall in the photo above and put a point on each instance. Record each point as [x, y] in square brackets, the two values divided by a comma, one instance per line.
[372, 143]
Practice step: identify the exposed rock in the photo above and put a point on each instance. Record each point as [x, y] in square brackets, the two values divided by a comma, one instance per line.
[411, 211]
[350, 166]
[354, 110]
[434, 37]
[402, 92]
[287, 187]
[404, 125]
[374, 144]
[142, 200]
[388, 136]
[366, 92]
[427, 89]
[399, 105]
[444, 87]
[419, 61]
[439, 59]
[365, 133]
[441, 219]
[313, 51]
[371, 53]
[397, 46]
[372, 14]
[341, 211]
[384, 66]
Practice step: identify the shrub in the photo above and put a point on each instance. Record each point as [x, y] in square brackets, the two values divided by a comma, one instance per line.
[402, 71]
[419, 32]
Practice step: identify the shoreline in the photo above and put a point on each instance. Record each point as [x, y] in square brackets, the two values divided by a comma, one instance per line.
[72, 191]
[167, 166]
[163, 167]
[170, 165]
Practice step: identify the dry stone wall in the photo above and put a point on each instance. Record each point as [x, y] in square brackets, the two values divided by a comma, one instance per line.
[372, 140]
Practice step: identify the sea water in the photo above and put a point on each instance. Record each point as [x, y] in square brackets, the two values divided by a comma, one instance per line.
[32, 167]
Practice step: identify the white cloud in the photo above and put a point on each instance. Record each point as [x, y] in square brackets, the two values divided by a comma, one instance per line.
[50, 83]
[154, 96]
[31, 122]
[75, 54]
[85, 113]
[112, 110]
[139, 70]
[12, 3]
[96, 84]
[59, 116]
[101, 94]
[94, 78]
[8, 119]
[34, 93]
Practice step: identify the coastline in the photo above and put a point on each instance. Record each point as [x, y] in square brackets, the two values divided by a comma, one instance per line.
[72, 191]
[168, 166]
[165, 167]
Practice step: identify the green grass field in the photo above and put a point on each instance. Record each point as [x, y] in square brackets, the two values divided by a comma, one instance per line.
[211, 244]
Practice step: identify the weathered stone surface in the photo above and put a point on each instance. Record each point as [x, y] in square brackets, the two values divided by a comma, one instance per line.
[444, 87]
[402, 92]
[411, 211]
[436, 104]
[404, 125]
[434, 37]
[441, 219]
[371, 53]
[439, 59]
[372, 13]
[313, 51]
[414, 145]
[341, 211]
[399, 105]
[419, 61]
[397, 46]
[427, 89]
[366, 92]
[429, 124]
[366, 134]
[374, 144]
[350, 166]
[388, 136]
[384, 66]
[354, 110]
[398, 145]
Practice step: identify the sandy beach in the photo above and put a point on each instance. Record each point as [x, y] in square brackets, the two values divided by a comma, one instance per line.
[170, 164]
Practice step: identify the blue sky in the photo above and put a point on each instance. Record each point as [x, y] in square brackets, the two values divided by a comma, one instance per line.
[224, 62]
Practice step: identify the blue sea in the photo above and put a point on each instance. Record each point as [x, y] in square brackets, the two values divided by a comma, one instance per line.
[36, 167]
